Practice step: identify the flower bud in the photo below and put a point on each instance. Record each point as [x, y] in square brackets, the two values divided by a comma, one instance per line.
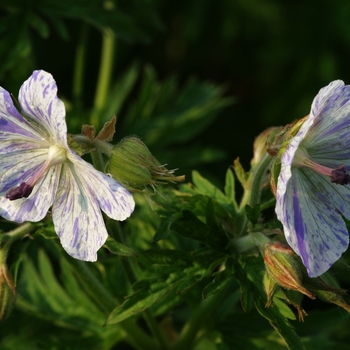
[333, 298]
[283, 266]
[270, 287]
[260, 143]
[133, 165]
[7, 292]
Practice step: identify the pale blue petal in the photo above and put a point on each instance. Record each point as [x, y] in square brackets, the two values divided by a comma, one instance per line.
[35, 207]
[112, 197]
[312, 226]
[77, 217]
[12, 123]
[38, 99]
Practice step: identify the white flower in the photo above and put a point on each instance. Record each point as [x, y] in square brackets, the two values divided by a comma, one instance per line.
[39, 171]
[312, 190]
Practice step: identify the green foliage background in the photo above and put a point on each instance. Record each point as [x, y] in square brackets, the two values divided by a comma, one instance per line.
[197, 81]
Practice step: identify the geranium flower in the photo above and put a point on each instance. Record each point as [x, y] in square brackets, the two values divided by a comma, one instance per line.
[312, 190]
[39, 171]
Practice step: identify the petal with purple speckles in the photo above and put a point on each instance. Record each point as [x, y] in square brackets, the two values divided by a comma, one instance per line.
[307, 203]
[77, 218]
[312, 226]
[112, 197]
[12, 123]
[35, 207]
[38, 99]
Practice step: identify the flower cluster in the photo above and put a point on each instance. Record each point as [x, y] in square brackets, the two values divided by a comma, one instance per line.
[312, 189]
[39, 171]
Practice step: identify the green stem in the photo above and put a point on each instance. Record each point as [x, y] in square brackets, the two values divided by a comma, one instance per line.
[12, 236]
[196, 322]
[79, 65]
[258, 180]
[97, 160]
[105, 73]
[252, 193]
[147, 315]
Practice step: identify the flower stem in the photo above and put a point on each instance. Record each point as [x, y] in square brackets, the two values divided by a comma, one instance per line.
[258, 180]
[79, 65]
[12, 236]
[147, 315]
[105, 73]
[252, 193]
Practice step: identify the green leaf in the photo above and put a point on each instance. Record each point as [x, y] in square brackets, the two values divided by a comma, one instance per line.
[163, 230]
[284, 309]
[118, 248]
[219, 281]
[190, 226]
[205, 187]
[280, 324]
[230, 187]
[253, 213]
[242, 176]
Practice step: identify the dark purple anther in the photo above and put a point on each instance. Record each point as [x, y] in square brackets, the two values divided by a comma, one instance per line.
[339, 176]
[23, 190]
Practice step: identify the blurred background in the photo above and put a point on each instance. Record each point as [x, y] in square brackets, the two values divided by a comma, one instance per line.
[256, 63]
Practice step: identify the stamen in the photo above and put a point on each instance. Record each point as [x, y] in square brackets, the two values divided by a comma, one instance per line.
[23, 190]
[339, 176]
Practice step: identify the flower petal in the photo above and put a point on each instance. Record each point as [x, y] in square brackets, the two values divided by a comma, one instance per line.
[12, 123]
[331, 118]
[39, 101]
[17, 167]
[313, 228]
[35, 207]
[112, 197]
[77, 217]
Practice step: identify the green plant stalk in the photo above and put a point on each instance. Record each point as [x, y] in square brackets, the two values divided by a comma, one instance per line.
[252, 193]
[134, 334]
[79, 65]
[105, 73]
[147, 315]
[258, 179]
[200, 317]
[12, 236]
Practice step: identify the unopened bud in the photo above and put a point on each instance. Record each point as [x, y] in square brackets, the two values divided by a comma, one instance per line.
[270, 287]
[7, 292]
[133, 165]
[333, 298]
[282, 265]
[260, 144]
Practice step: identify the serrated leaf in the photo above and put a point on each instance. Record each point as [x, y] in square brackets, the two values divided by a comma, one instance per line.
[118, 248]
[190, 226]
[284, 309]
[230, 187]
[134, 304]
[253, 213]
[280, 324]
[219, 281]
[163, 230]
[242, 176]
[205, 187]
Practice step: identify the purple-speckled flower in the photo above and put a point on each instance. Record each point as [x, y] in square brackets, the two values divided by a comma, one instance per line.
[312, 189]
[38, 171]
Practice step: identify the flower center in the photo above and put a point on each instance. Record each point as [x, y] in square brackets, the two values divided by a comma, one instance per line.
[337, 175]
[55, 156]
